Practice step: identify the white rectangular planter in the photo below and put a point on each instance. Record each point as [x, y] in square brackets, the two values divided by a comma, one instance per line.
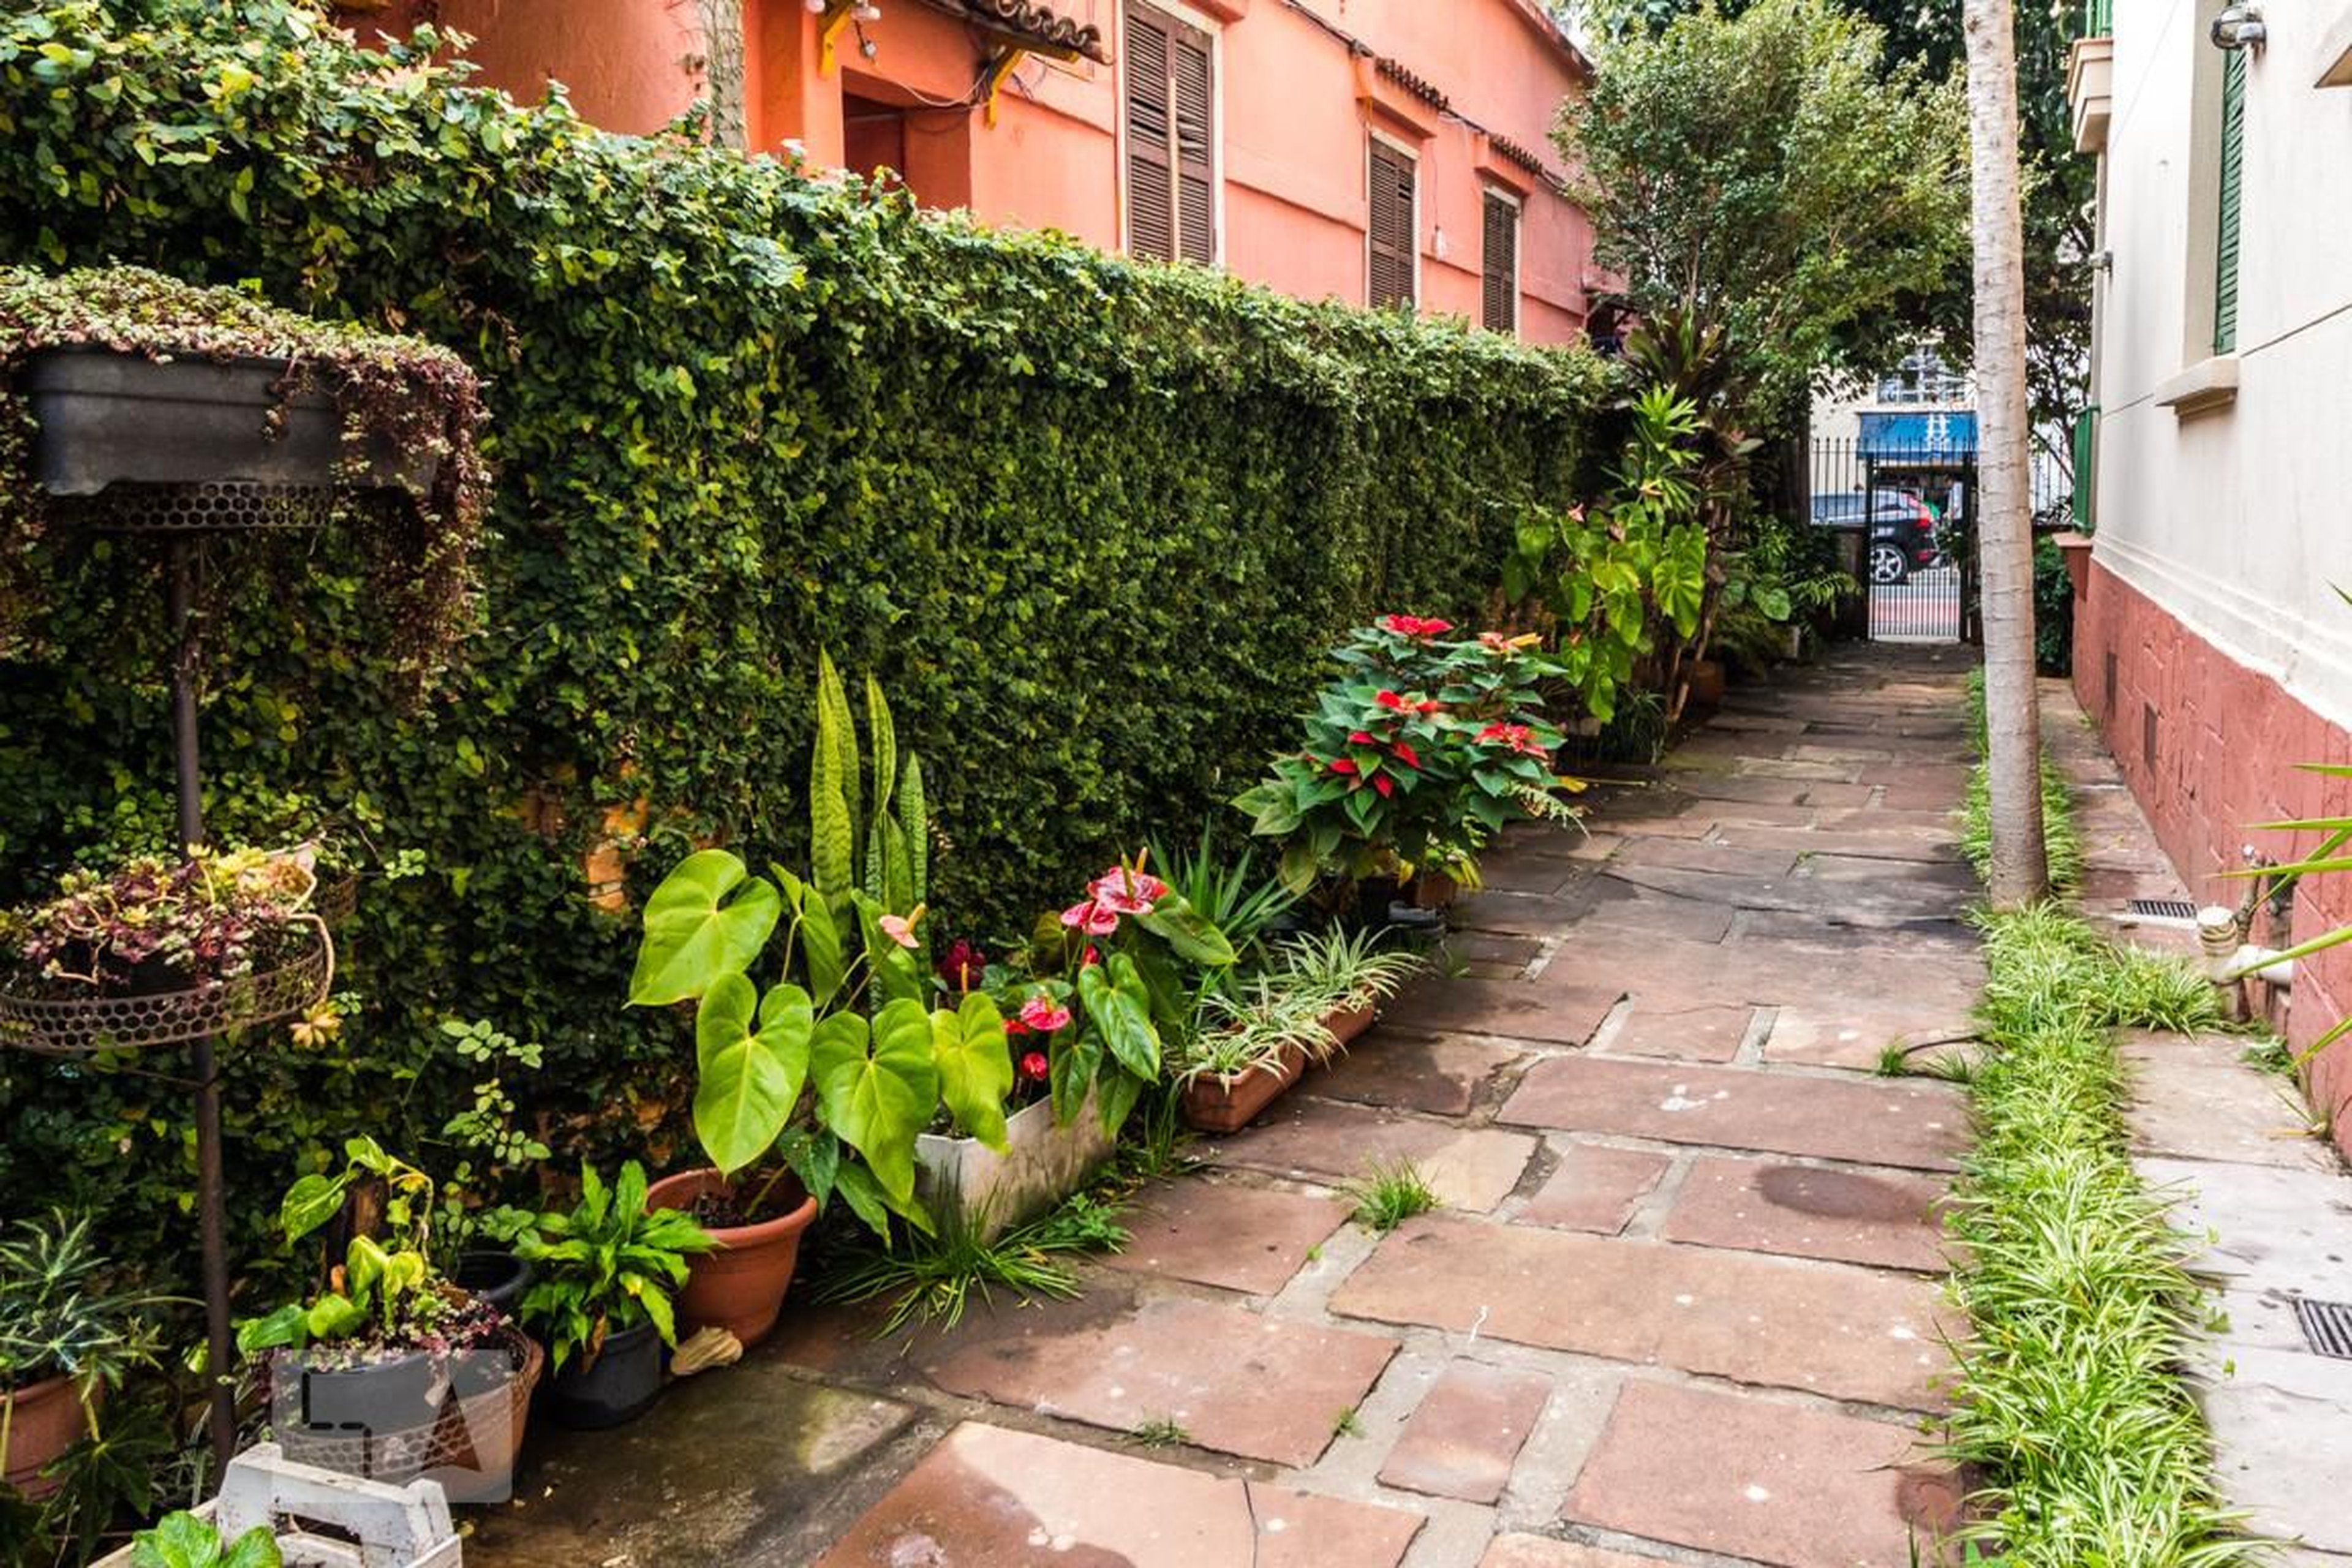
[963, 1180]
[376, 1525]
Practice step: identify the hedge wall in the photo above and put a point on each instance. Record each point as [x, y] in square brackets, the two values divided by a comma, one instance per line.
[1091, 521]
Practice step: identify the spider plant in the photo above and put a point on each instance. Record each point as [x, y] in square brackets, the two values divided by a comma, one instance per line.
[1347, 967]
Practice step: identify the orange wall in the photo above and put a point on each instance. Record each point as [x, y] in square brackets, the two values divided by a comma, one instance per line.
[1295, 109]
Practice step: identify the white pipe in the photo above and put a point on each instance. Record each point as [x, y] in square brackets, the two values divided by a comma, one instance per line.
[2228, 959]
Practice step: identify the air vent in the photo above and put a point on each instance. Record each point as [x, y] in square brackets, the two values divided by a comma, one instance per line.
[2162, 910]
[2326, 1325]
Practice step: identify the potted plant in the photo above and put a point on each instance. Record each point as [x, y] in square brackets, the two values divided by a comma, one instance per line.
[1321, 994]
[390, 1369]
[603, 1277]
[66, 1337]
[120, 377]
[190, 1541]
[201, 925]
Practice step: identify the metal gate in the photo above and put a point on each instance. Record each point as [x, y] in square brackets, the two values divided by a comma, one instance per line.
[1905, 518]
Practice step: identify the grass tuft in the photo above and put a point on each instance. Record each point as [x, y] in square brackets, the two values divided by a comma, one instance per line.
[937, 1278]
[1161, 1432]
[1389, 1193]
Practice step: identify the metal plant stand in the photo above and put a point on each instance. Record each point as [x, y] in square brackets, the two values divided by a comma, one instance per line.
[182, 516]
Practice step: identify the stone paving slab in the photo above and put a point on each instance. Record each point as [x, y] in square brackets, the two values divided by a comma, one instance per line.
[989, 1498]
[1856, 1035]
[1595, 1188]
[2186, 1105]
[1326, 1140]
[1251, 1239]
[1689, 1034]
[1707, 855]
[1920, 1126]
[1551, 1014]
[1543, 1552]
[1463, 1437]
[1828, 1329]
[676, 1508]
[2272, 1233]
[1798, 1488]
[1387, 1066]
[2281, 1425]
[1889, 1219]
[1235, 1381]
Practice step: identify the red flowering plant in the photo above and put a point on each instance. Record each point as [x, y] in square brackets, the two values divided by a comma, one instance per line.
[1424, 749]
[1102, 981]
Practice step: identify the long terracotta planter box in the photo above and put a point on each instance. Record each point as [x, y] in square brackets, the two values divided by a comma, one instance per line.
[1229, 1104]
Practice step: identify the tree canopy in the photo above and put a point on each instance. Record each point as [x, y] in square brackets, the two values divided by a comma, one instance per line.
[1772, 173]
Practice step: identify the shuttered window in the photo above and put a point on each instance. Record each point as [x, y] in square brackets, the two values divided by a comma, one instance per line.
[1172, 155]
[1392, 227]
[1499, 274]
[2233, 174]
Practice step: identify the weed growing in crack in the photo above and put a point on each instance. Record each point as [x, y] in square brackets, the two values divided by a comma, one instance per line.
[1391, 1193]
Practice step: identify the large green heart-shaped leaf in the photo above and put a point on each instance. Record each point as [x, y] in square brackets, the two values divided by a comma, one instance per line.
[1188, 930]
[695, 933]
[879, 1087]
[752, 1069]
[1120, 1015]
[975, 1070]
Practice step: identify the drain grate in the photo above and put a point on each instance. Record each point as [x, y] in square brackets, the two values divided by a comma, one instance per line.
[2163, 909]
[2327, 1325]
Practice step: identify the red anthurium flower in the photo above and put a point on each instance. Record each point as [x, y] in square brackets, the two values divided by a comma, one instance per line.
[1015, 1027]
[1035, 1066]
[1406, 755]
[1343, 764]
[1093, 956]
[1386, 785]
[1043, 1013]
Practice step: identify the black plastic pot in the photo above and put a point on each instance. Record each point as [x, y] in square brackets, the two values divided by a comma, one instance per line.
[621, 1387]
[111, 418]
[495, 1275]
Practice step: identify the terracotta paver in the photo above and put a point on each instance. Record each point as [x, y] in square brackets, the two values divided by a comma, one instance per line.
[1763, 1482]
[1890, 1219]
[1543, 1552]
[1441, 1075]
[1595, 1188]
[1894, 1122]
[1690, 1033]
[1234, 1379]
[1466, 1431]
[1469, 1167]
[1857, 1036]
[1224, 1234]
[1516, 1009]
[1830, 1329]
[989, 1498]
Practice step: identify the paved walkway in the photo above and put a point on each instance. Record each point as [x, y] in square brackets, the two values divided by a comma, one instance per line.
[2254, 1177]
[1679, 1306]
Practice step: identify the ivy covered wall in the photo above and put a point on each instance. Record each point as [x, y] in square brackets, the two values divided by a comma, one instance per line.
[1091, 521]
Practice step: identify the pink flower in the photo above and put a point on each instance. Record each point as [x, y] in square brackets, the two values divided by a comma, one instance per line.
[1035, 1066]
[900, 929]
[1415, 625]
[1043, 1013]
[1127, 892]
[1093, 956]
[1091, 918]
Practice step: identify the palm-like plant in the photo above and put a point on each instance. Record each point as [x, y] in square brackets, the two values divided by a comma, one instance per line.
[607, 1266]
[57, 1315]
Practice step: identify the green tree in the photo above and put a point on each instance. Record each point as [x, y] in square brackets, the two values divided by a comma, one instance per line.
[1770, 173]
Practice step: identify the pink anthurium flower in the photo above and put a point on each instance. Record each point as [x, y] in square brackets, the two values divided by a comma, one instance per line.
[1091, 918]
[900, 929]
[1045, 1015]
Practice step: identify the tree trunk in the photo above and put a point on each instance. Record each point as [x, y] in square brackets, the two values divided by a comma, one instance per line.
[2004, 499]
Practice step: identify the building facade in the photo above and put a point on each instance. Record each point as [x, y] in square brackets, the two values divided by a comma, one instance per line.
[1376, 152]
[2212, 643]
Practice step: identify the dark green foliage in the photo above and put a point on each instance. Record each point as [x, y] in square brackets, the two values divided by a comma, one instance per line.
[1092, 522]
[2054, 610]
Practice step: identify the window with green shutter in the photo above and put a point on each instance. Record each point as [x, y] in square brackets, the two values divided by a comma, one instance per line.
[2086, 469]
[2232, 191]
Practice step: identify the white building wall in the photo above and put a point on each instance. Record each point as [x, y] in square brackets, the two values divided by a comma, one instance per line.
[2238, 519]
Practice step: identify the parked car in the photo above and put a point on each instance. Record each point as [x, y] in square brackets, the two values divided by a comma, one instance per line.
[1902, 529]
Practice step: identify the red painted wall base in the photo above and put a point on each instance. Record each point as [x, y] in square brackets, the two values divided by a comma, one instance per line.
[2209, 747]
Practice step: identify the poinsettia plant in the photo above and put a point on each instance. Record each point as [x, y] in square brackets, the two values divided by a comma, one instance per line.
[1424, 749]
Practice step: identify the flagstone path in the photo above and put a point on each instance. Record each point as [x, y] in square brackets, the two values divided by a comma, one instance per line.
[1679, 1304]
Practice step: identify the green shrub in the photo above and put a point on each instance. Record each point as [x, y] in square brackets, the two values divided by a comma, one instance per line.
[1094, 521]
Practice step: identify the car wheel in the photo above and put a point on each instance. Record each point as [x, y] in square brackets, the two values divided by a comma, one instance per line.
[1887, 562]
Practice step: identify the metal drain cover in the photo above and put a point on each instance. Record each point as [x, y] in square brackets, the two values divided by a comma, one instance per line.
[2163, 909]
[2327, 1325]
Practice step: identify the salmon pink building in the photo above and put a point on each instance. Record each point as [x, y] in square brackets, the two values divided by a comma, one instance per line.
[1376, 152]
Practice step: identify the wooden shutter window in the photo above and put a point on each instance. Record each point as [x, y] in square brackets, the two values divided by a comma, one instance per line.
[1499, 277]
[1171, 178]
[2233, 179]
[1391, 225]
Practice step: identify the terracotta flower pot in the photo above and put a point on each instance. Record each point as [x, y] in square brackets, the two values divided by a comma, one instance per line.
[44, 1419]
[740, 1287]
[1433, 890]
[1706, 684]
